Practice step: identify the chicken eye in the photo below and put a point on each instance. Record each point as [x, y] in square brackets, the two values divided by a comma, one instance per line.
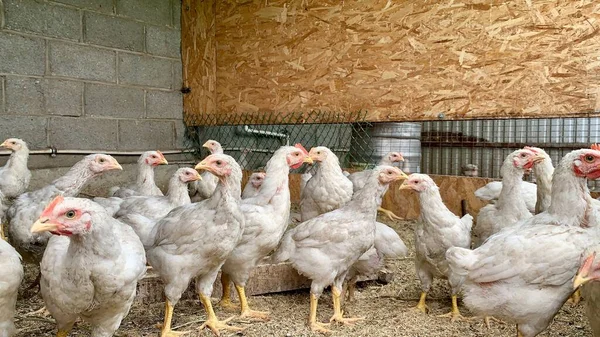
[13, 143]
[218, 162]
[70, 214]
[589, 158]
[101, 160]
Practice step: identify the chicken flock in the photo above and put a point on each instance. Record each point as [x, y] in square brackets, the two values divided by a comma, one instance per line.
[527, 253]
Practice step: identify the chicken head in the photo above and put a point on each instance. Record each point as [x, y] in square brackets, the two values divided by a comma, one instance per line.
[298, 156]
[187, 175]
[257, 178]
[525, 159]
[587, 272]
[213, 146]
[99, 163]
[587, 163]
[418, 182]
[389, 174]
[14, 144]
[64, 217]
[319, 153]
[154, 158]
[395, 157]
[217, 164]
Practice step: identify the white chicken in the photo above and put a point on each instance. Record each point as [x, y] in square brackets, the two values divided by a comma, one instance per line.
[144, 184]
[358, 179]
[267, 216]
[587, 278]
[10, 280]
[524, 274]
[388, 244]
[543, 171]
[510, 207]
[28, 207]
[325, 247]
[193, 241]
[436, 231]
[91, 266]
[491, 192]
[15, 176]
[328, 189]
[204, 188]
[253, 185]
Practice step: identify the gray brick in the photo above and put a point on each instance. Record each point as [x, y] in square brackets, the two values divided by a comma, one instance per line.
[64, 97]
[33, 96]
[151, 11]
[114, 32]
[105, 6]
[83, 133]
[161, 104]
[2, 95]
[163, 41]
[22, 55]
[115, 101]
[177, 75]
[177, 14]
[24, 96]
[31, 129]
[82, 62]
[180, 135]
[144, 70]
[145, 134]
[42, 18]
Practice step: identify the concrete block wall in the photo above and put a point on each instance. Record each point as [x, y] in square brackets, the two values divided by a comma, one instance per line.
[91, 74]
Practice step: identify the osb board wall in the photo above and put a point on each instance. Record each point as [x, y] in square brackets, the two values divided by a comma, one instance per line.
[407, 60]
[198, 52]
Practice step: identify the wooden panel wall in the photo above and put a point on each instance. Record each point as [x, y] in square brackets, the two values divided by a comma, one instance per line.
[407, 60]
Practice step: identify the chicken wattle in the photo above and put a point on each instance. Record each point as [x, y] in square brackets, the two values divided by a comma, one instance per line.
[325, 247]
[524, 274]
[91, 266]
[193, 241]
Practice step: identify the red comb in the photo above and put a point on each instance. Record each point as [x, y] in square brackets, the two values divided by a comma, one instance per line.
[595, 147]
[160, 153]
[50, 208]
[530, 149]
[299, 146]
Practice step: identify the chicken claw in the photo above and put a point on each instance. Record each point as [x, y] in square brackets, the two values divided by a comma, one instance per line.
[215, 325]
[259, 315]
[320, 327]
[345, 320]
[487, 320]
[338, 314]
[389, 213]
[421, 306]
[454, 315]
[225, 301]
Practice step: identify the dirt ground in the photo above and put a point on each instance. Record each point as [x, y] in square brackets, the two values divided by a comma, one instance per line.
[387, 308]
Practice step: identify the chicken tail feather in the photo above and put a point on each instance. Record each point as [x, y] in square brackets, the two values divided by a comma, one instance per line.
[460, 260]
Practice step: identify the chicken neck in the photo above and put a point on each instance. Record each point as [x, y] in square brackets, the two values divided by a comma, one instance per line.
[145, 178]
[432, 206]
[511, 196]
[570, 197]
[100, 241]
[366, 200]
[17, 162]
[178, 192]
[543, 175]
[275, 189]
[75, 179]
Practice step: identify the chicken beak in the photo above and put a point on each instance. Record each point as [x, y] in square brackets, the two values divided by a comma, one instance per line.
[206, 145]
[538, 158]
[196, 177]
[203, 166]
[43, 225]
[582, 276]
[4, 144]
[405, 186]
[401, 158]
[308, 160]
[115, 165]
[403, 176]
[163, 160]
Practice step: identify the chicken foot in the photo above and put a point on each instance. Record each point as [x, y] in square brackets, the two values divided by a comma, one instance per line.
[212, 322]
[62, 333]
[389, 213]
[455, 313]
[421, 306]
[166, 328]
[338, 314]
[225, 301]
[575, 298]
[246, 311]
[312, 319]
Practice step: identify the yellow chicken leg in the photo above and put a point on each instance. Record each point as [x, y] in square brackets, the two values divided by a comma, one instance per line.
[389, 213]
[338, 314]
[421, 306]
[225, 301]
[246, 311]
[312, 319]
[455, 313]
[62, 333]
[212, 322]
[2, 232]
[166, 327]
[575, 297]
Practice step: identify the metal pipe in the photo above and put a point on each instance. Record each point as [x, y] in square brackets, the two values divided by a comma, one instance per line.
[53, 152]
[264, 133]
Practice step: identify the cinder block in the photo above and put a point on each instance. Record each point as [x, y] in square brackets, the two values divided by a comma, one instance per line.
[31, 129]
[163, 41]
[105, 6]
[144, 70]
[115, 101]
[83, 62]
[42, 18]
[177, 14]
[164, 104]
[145, 134]
[180, 141]
[22, 55]
[157, 12]
[177, 75]
[83, 133]
[113, 32]
[2, 103]
[34, 96]
[24, 96]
